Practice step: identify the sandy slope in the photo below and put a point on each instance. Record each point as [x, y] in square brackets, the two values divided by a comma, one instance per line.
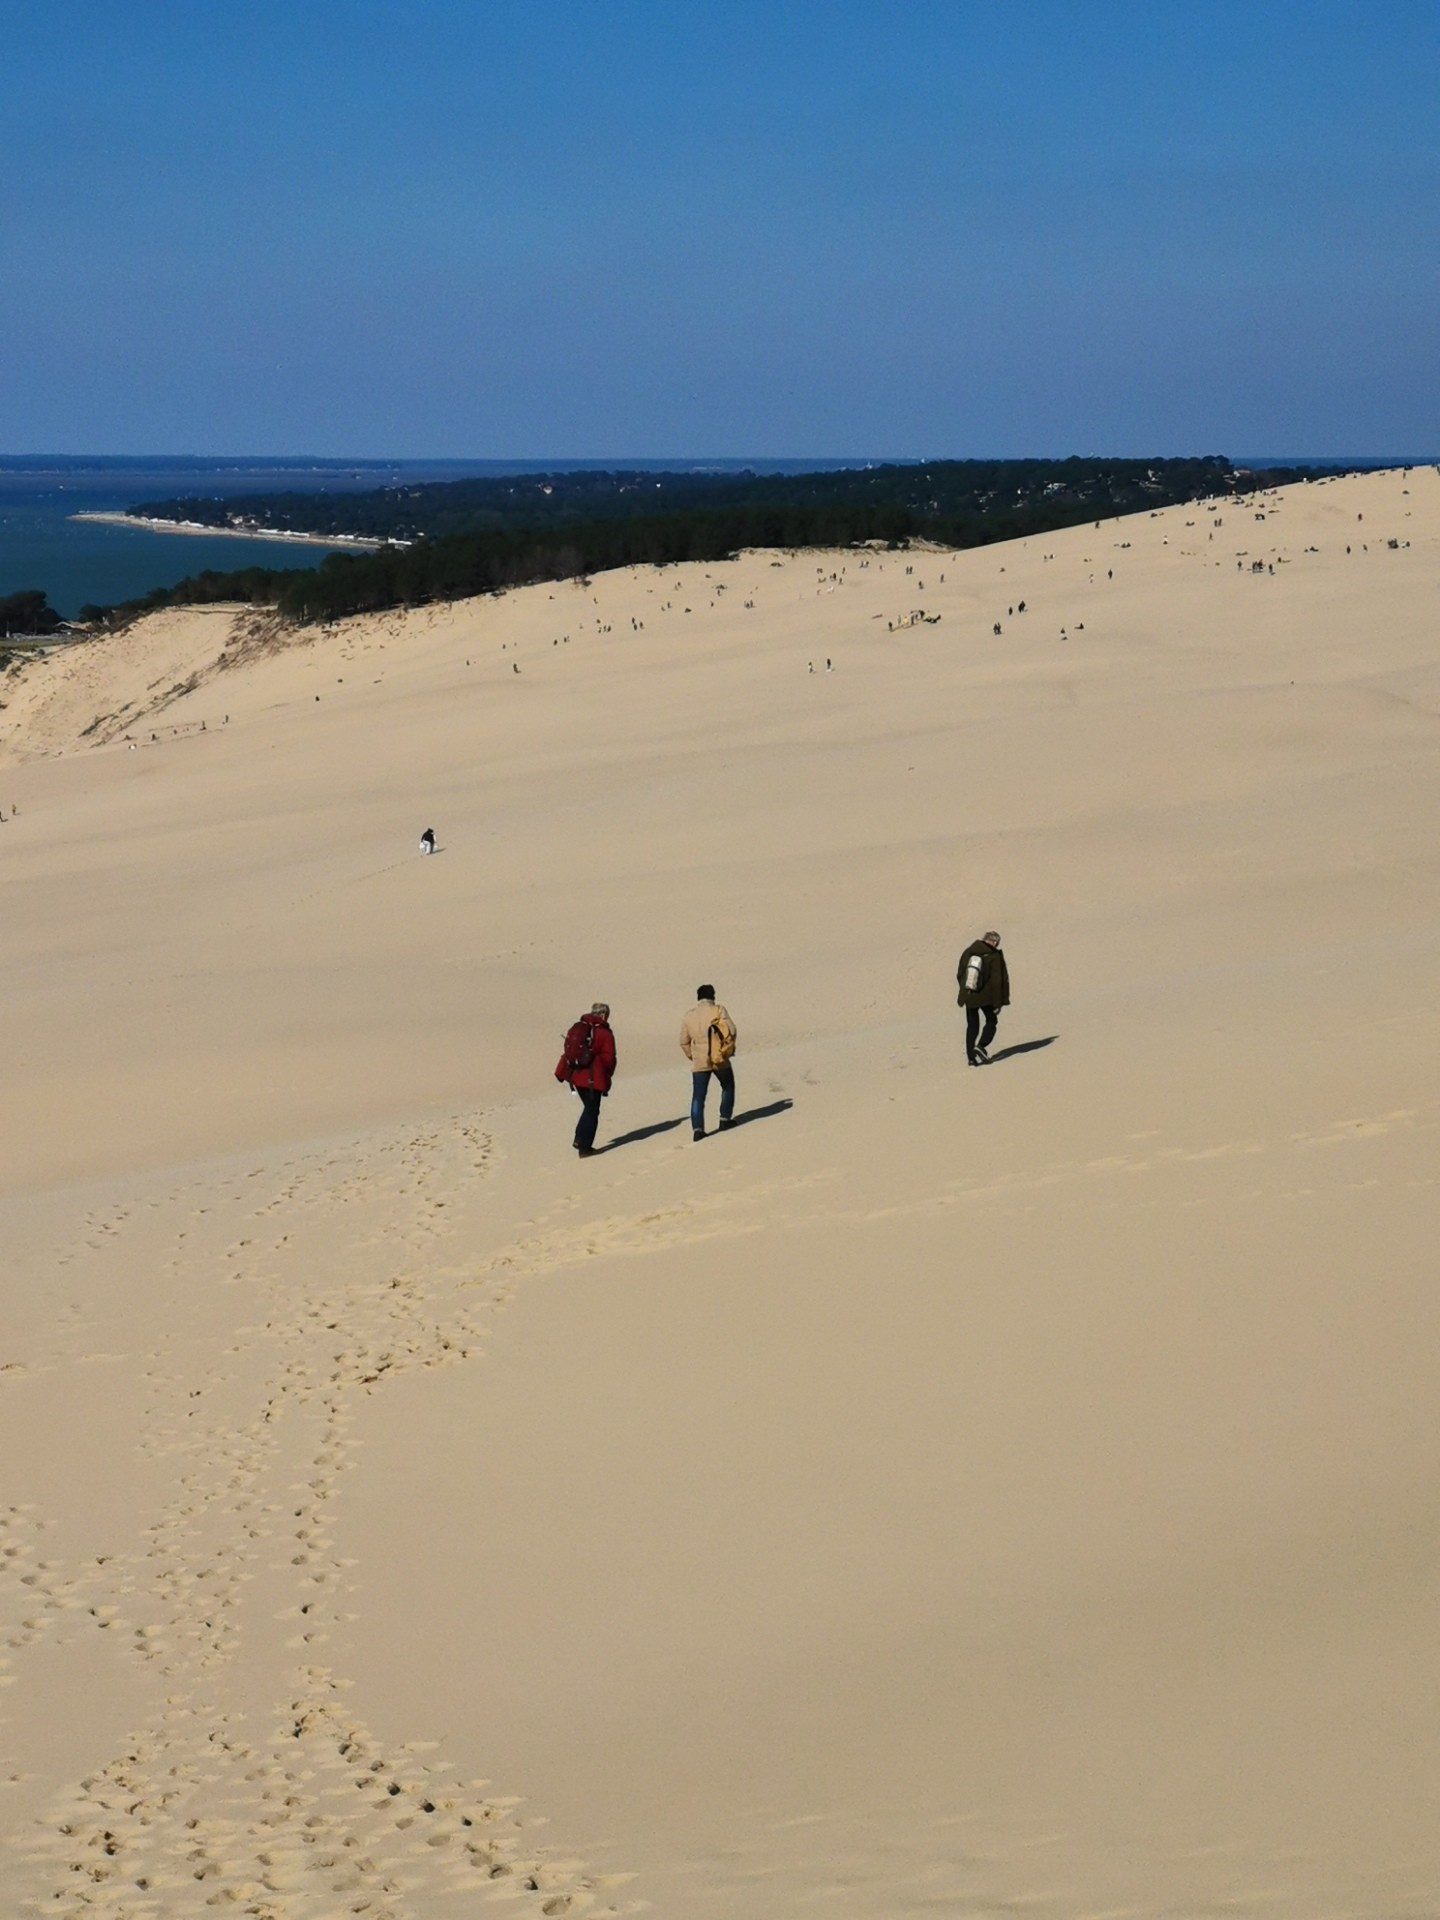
[947, 1492]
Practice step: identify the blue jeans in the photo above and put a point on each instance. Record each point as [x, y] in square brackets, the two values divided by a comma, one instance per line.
[700, 1083]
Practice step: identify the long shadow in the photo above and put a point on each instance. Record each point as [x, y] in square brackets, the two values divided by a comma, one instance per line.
[642, 1133]
[1024, 1046]
[761, 1113]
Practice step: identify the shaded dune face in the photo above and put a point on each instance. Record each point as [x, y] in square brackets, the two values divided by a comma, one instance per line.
[942, 1491]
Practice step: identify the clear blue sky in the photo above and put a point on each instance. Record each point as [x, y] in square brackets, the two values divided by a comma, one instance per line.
[503, 228]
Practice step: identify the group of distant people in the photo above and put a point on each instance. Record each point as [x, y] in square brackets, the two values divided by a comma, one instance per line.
[708, 1039]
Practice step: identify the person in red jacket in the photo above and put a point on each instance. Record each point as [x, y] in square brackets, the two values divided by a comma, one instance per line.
[588, 1065]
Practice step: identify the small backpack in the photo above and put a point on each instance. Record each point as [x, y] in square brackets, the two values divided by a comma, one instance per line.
[579, 1047]
[720, 1044]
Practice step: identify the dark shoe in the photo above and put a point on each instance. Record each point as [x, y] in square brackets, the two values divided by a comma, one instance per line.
[699, 1133]
[725, 1125]
[982, 1058]
[587, 1153]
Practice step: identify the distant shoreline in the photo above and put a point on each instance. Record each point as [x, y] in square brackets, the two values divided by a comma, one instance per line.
[354, 541]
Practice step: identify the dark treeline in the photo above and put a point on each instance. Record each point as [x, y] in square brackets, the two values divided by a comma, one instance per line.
[24, 616]
[28, 613]
[943, 487]
[588, 523]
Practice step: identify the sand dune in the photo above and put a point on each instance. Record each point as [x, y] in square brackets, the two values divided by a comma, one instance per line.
[947, 1492]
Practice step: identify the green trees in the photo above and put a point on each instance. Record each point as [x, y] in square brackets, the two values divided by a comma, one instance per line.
[944, 488]
[461, 538]
[27, 614]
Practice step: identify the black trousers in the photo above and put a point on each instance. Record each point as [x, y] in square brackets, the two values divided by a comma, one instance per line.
[590, 1098]
[973, 1028]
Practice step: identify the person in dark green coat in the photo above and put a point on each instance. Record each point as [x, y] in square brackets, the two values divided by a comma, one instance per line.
[984, 981]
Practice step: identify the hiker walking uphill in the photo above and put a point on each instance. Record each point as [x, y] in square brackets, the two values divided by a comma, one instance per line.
[984, 981]
[587, 1064]
[707, 1040]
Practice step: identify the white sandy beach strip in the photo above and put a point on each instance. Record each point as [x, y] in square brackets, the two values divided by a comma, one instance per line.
[152, 523]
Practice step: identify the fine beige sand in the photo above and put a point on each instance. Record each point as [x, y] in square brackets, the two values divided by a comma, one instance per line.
[948, 1493]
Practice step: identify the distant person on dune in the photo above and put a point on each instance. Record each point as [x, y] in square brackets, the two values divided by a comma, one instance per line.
[587, 1064]
[707, 1040]
[427, 840]
[984, 981]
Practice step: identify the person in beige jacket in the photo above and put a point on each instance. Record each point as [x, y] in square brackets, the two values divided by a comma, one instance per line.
[707, 1040]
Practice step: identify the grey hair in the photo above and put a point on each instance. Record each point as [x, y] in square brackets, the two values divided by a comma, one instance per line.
[600, 1007]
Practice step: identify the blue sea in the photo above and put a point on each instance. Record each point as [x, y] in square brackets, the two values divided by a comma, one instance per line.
[77, 562]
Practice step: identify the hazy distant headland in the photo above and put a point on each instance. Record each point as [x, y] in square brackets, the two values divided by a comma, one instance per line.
[239, 528]
[47, 546]
[930, 492]
[77, 532]
[448, 540]
[74, 562]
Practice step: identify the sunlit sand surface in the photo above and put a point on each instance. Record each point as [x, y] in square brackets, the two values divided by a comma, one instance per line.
[949, 1492]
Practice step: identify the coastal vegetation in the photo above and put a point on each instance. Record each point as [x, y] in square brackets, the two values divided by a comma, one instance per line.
[455, 539]
[942, 490]
[25, 616]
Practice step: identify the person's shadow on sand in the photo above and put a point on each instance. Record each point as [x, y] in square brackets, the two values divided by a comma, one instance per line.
[641, 1133]
[761, 1113]
[1024, 1046]
[637, 1134]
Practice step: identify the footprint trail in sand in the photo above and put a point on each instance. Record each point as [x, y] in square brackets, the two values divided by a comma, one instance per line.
[246, 1778]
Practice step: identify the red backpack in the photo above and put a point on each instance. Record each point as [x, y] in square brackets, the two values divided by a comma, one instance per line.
[579, 1048]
